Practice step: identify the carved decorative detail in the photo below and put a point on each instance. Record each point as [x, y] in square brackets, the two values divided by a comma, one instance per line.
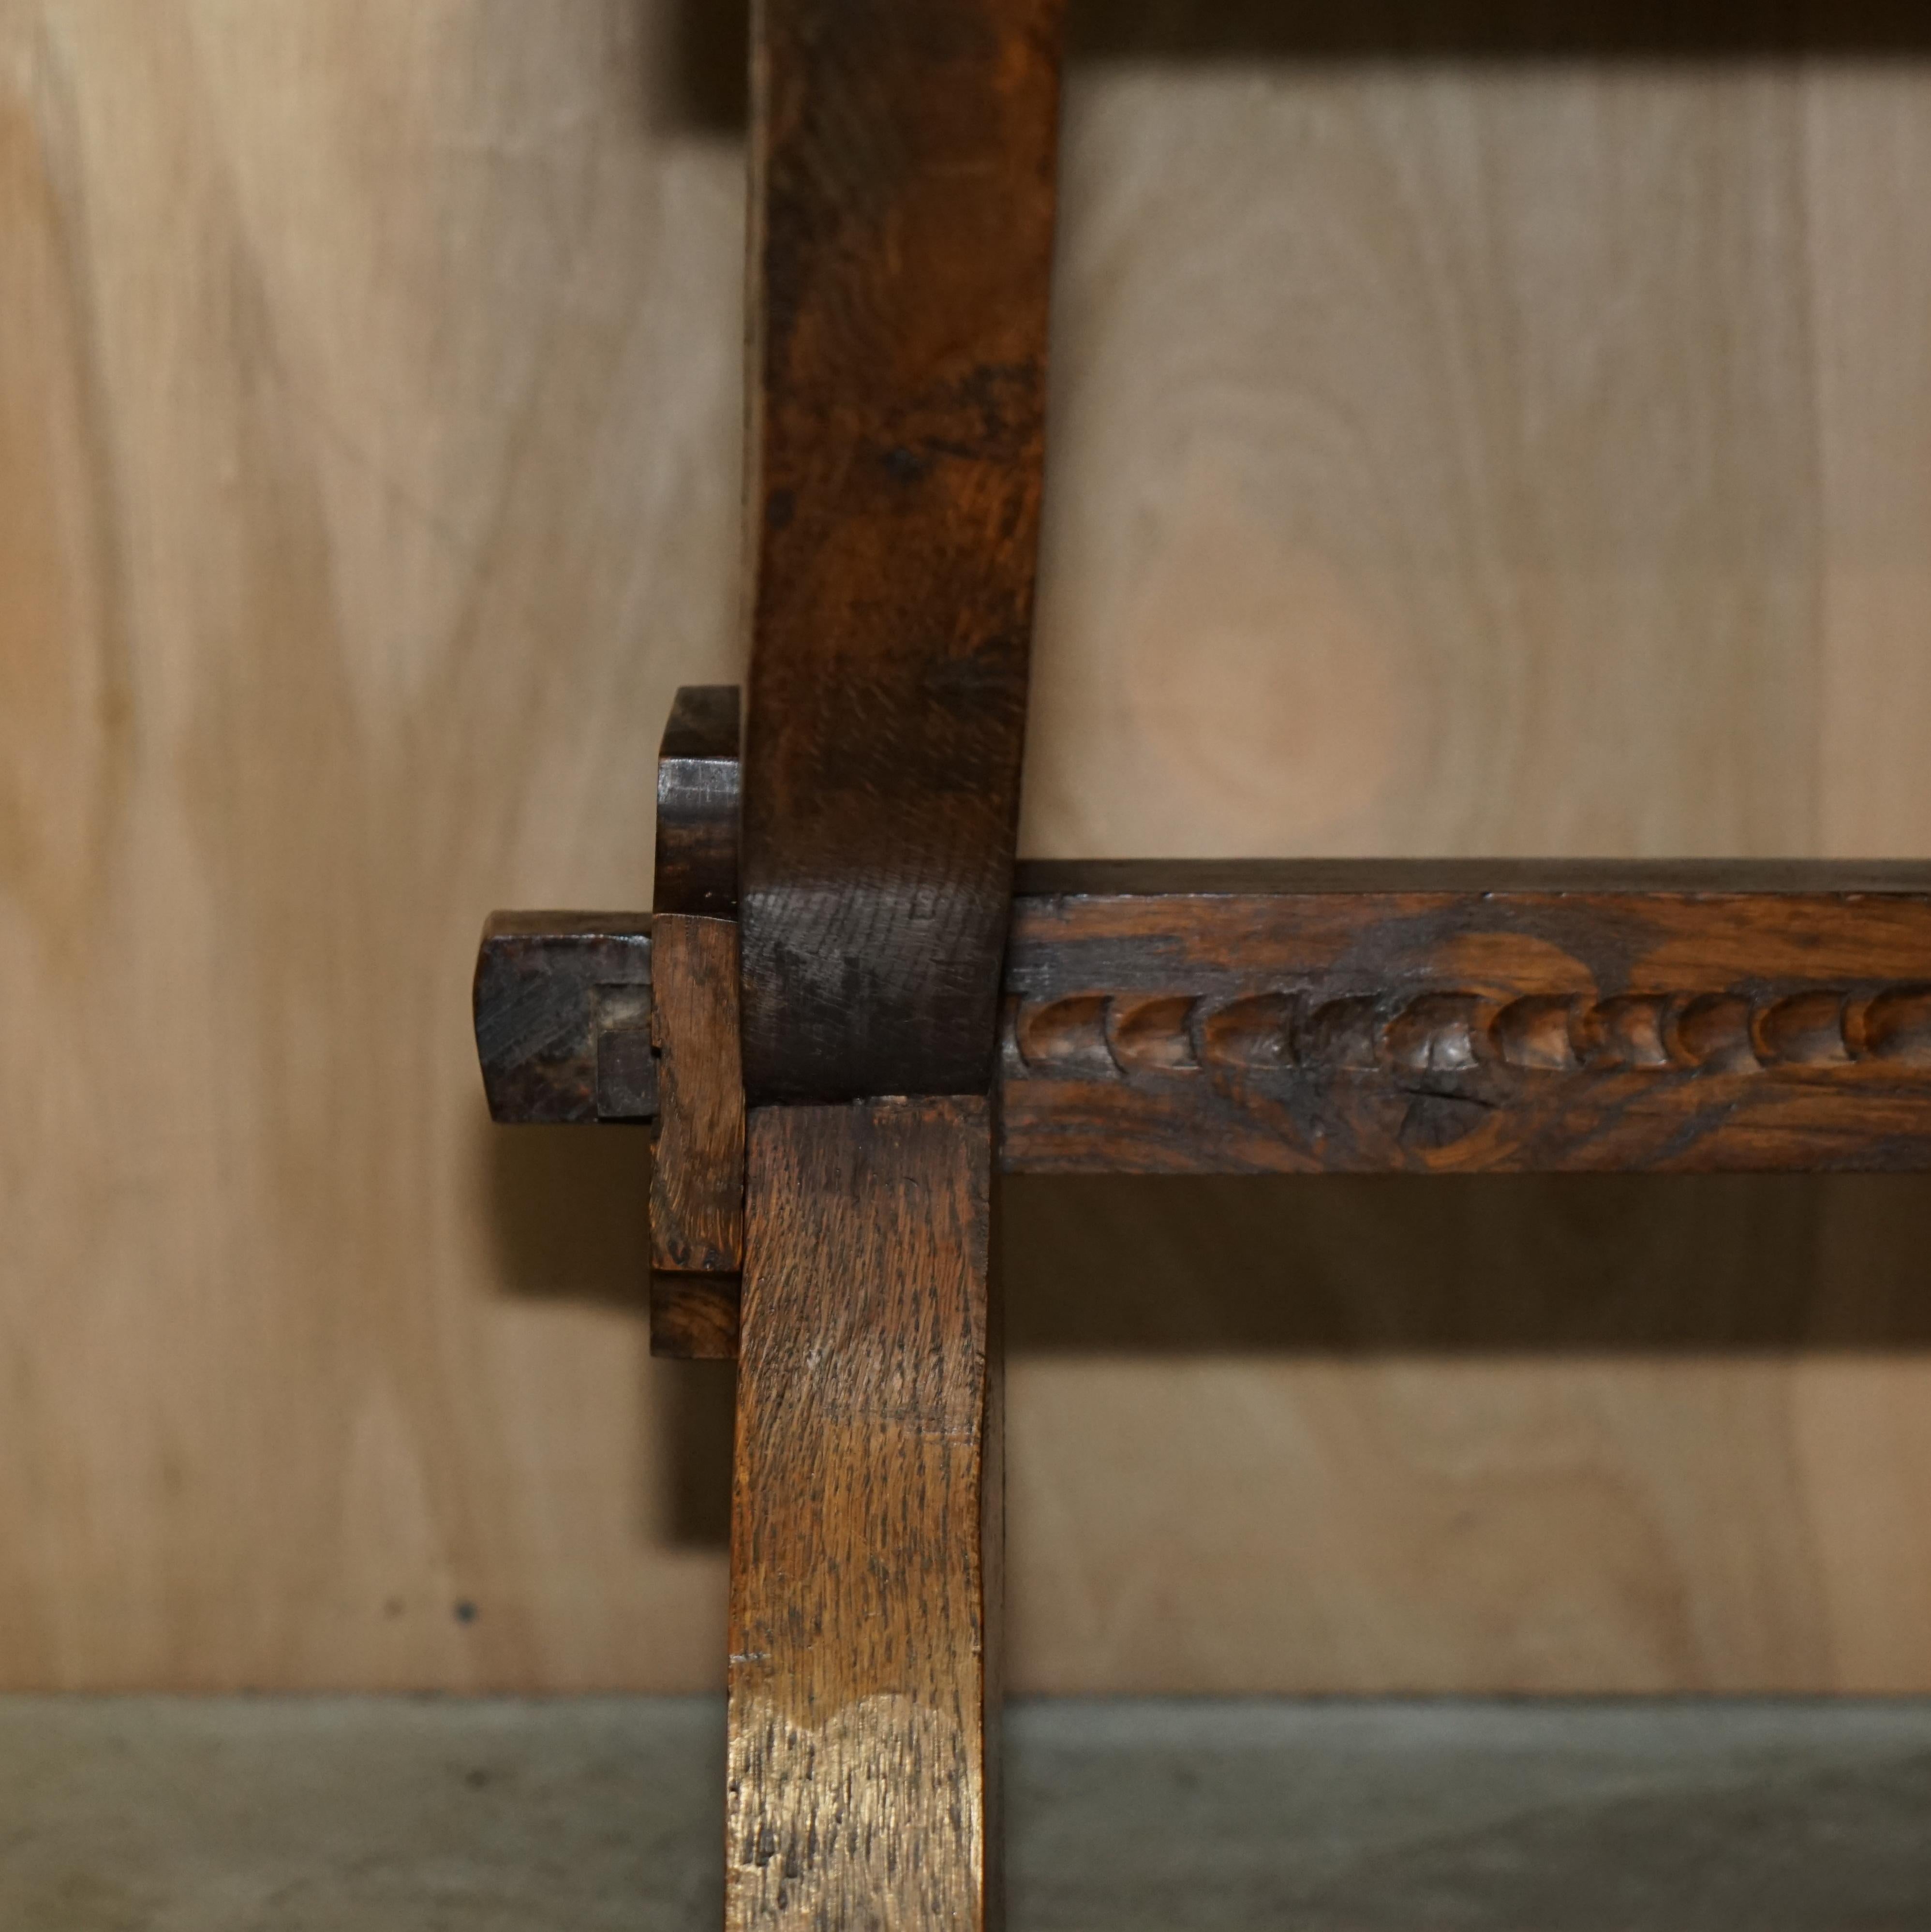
[1448, 1031]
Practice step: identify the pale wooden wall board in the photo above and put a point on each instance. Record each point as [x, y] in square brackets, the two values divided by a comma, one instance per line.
[374, 373]
[1449, 455]
[1384, 1435]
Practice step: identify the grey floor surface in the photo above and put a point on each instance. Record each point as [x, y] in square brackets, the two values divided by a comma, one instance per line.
[278, 1815]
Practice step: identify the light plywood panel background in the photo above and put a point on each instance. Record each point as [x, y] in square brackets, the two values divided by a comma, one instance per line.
[1454, 452]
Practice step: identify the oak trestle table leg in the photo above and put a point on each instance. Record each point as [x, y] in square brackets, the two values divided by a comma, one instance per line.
[903, 161]
[865, 1524]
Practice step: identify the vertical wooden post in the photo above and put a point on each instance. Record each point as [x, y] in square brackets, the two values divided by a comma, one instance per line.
[866, 1533]
[903, 156]
[903, 172]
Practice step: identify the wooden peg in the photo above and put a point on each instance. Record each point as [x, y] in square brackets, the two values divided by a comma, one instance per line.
[697, 1177]
[563, 1018]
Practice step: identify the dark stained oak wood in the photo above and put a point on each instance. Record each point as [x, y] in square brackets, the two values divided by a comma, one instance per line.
[697, 1174]
[1457, 1018]
[866, 1496]
[698, 768]
[1037, 879]
[694, 1317]
[902, 202]
[562, 1002]
[1430, 1019]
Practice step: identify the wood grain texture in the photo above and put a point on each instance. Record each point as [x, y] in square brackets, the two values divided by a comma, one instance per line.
[694, 1318]
[1353, 1017]
[697, 1172]
[903, 193]
[1526, 1024]
[368, 387]
[1383, 389]
[562, 1006]
[1866, 145]
[1514, 456]
[698, 770]
[696, 1153]
[697, 1150]
[864, 1612]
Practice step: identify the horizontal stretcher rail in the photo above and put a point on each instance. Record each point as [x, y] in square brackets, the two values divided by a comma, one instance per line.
[1357, 1017]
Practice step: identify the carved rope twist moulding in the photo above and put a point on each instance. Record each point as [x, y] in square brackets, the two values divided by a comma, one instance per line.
[1451, 1031]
